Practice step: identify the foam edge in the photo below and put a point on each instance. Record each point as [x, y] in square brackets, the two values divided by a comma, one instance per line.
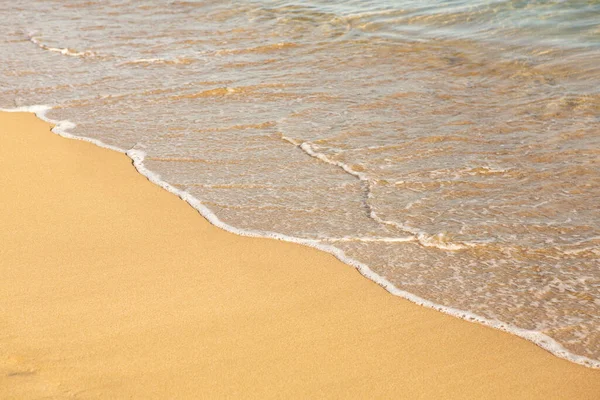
[137, 156]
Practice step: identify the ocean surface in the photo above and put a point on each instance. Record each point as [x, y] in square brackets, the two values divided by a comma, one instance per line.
[450, 150]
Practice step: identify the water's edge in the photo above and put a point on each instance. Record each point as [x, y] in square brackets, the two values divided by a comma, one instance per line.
[137, 156]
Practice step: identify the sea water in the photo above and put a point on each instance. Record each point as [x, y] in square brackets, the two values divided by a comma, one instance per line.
[448, 149]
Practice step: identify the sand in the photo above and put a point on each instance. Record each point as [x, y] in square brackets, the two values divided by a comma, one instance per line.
[114, 288]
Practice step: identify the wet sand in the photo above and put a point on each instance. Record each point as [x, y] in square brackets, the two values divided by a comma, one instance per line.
[114, 288]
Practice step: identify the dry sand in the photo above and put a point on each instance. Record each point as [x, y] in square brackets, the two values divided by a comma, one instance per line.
[114, 288]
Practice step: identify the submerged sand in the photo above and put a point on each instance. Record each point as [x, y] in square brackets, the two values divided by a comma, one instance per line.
[114, 288]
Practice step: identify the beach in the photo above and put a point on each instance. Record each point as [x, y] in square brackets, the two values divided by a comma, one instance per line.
[115, 288]
[446, 150]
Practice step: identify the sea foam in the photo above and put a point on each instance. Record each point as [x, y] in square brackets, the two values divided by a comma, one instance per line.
[137, 155]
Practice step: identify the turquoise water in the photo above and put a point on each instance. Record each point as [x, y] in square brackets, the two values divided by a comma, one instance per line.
[560, 23]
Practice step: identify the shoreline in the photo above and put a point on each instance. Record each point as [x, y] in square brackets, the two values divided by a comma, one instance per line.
[137, 157]
[155, 302]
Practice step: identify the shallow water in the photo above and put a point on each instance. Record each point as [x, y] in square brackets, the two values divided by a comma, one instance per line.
[452, 147]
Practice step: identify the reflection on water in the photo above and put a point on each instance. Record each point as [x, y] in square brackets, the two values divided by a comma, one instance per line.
[451, 146]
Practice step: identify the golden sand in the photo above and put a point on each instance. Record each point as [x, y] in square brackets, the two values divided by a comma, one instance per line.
[114, 288]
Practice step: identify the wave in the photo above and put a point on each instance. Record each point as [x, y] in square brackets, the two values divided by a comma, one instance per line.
[62, 50]
[137, 155]
[149, 61]
[437, 240]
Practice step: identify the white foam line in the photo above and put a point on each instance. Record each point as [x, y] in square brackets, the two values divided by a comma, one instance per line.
[425, 239]
[176, 60]
[61, 127]
[63, 51]
[138, 156]
[370, 239]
